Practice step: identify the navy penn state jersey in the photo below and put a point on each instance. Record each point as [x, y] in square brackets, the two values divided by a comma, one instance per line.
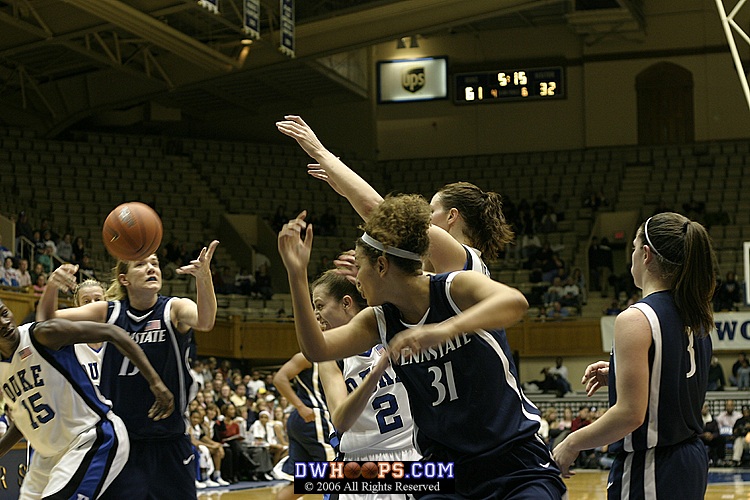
[167, 350]
[309, 390]
[465, 394]
[474, 261]
[678, 377]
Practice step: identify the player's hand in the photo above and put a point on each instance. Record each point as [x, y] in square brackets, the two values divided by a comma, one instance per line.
[346, 266]
[596, 376]
[296, 128]
[306, 413]
[164, 404]
[412, 341]
[316, 170]
[201, 267]
[295, 252]
[565, 455]
[64, 277]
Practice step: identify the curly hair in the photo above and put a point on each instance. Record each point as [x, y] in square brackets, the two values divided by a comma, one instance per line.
[401, 221]
[482, 212]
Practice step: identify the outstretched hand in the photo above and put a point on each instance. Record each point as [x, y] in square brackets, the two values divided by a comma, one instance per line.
[296, 128]
[164, 404]
[317, 171]
[295, 252]
[64, 277]
[201, 267]
[595, 376]
[346, 266]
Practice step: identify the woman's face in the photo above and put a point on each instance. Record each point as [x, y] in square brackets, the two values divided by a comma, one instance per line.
[278, 413]
[231, 411]
[637, 266]
[195, 418]
[367, 278]
[439, 216]
[8, 263]
[89, 294]
[143, 275]
[329, 312]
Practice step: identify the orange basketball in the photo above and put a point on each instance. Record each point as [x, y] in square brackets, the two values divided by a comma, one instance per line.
[351, 470]
[369, 470]
[132, 231]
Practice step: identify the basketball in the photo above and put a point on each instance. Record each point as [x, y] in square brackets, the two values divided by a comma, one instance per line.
[132, 231]
[351, 470]
[369, 470]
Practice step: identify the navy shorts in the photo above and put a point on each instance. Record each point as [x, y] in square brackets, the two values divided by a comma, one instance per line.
[523, 471]
[678, 471]
[161, 469]
[304, 443]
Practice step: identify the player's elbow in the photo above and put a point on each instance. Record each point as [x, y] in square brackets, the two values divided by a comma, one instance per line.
[518, 305]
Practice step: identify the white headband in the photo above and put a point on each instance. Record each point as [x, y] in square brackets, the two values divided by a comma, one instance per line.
[648, 240]
[404, 254]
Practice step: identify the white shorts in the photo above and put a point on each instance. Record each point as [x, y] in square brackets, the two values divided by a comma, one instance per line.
[73, 472]
[408, 454]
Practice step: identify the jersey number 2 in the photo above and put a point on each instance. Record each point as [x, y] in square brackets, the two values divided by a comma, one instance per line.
[382, 413]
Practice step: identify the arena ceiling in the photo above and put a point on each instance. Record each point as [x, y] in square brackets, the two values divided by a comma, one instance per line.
[64, 61]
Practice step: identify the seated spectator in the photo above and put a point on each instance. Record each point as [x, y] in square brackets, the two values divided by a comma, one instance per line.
[548, 222]
[79, 250]
[554, 293]
[728, 418]
[557, 311]
[48, 241]
[45, 259]
[560, 374]
[38, 242]
[571, 294]
[87, 268]
[712, 438]
[244, 281]
[8, 274]
[65, 248]
[24, 277]
[530, 246]
[736, 366]
[743, 376]
[613, 309]
[209, 453]
[264, 440]
[716, 380]
[239, 397]
[728, 294]
[40, 284]
[741, 435]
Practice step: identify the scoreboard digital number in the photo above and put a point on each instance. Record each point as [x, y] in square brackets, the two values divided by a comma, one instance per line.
[509, 85]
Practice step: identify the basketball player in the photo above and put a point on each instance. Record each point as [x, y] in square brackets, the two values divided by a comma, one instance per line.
[446, 334]
[89, 355]
[467, 223]
[161, 464]
[661, 356]
[309, 425]
[79, 444]
[369, 406]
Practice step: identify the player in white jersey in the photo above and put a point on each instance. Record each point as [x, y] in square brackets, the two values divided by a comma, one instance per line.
[80, 444]
[368, 403]
[467, 223]
[89, 355]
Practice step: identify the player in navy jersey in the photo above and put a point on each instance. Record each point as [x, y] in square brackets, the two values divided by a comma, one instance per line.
[79, 444]
[309, 425]
[161, 464]
[468, 224]
[446, 334]
[658, 369]
[369, 405]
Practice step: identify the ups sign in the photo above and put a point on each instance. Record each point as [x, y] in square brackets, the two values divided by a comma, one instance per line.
[413, 80]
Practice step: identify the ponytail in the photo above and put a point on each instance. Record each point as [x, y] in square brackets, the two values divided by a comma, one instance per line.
[116, 291]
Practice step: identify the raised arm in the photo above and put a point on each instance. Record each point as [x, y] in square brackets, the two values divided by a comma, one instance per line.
[357, 336]
[346, 407]
[64, 279]
[201, 314]
[344, 180]
[485, 305]
[56, 333]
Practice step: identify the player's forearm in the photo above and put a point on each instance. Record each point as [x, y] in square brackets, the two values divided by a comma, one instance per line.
[9, 439]
[47, 305]
[205, 298]
[309, 334]
[284, 387]
[499, 311]
[344, 416]
[360, 194]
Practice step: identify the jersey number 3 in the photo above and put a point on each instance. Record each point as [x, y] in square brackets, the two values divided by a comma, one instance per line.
[437, 383]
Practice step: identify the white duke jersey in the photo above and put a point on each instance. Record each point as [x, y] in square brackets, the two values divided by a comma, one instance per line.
[51, 396]
[91, 361]
[385, 424]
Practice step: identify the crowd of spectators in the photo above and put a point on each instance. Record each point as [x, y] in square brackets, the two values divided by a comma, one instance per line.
[245, 415]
